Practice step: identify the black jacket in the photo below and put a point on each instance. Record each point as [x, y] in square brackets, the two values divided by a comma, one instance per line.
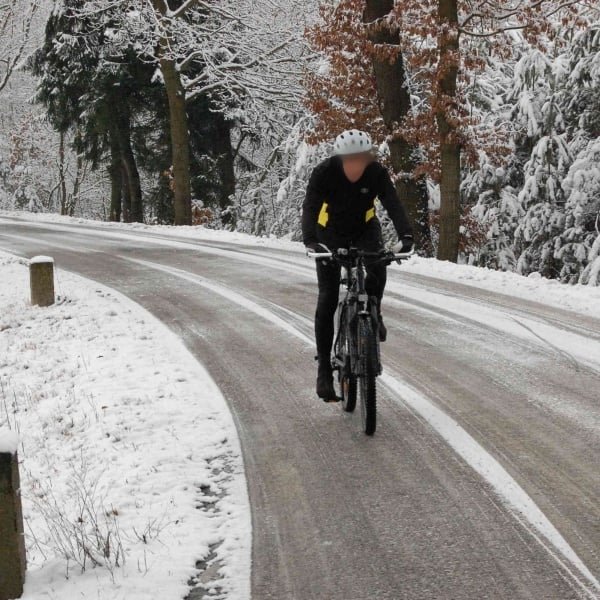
[336, 208]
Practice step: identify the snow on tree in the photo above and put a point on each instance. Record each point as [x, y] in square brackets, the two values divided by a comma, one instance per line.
[579, 249]
[16, 19]
[30, 150]
[243, 55]
[556, 118]
[442, 41]
[538, 108]
[532, 206]
[497, 208]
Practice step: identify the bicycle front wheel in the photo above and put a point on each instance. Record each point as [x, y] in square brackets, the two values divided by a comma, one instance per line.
[367, 344]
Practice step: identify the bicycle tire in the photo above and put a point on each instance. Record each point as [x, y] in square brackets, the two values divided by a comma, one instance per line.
[347, 380]
[367, 345]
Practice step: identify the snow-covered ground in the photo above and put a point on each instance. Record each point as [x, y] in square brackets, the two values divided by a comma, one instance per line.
[577, 298]
[584, 299]
[130, 461]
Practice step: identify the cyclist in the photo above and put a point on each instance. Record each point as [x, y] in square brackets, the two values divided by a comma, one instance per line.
[339, 212]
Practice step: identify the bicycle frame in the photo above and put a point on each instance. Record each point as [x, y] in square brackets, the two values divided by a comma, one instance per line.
[356, 303]
[354, 269]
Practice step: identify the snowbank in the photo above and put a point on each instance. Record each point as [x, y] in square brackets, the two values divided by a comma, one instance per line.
[578, 298]
[194, 232]
[125, 442]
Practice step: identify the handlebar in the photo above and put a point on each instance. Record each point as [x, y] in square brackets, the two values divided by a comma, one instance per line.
[398, 256]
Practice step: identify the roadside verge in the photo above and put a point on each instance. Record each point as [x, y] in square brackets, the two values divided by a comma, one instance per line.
[132, 476]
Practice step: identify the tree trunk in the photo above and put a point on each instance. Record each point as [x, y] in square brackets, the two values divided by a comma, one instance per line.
[134, 188]
[116, 179]
[224, 152]
[180, 143]
[61, 174]
[395, 105]
[450, 149]
[178, 122]
[135, 212]
[449, 202]
[126, 195]
[74, 198]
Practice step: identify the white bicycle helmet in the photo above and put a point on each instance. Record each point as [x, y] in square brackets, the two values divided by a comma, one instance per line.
[352, 141]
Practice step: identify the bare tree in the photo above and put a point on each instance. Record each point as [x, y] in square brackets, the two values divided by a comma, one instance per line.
[16, 18]
[245, 55]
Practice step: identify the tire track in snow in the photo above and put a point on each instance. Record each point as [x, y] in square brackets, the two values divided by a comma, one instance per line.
[514, 497]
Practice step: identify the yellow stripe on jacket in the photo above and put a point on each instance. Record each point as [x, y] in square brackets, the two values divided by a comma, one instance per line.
[323, 215]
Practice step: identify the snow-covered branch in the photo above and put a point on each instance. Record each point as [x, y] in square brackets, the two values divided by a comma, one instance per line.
[15, 28]
[487, 19]
[248, 53]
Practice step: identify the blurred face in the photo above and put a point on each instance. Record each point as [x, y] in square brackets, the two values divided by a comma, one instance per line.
[354, 165]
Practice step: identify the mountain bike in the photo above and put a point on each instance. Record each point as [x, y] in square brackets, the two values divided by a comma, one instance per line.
[356, 353]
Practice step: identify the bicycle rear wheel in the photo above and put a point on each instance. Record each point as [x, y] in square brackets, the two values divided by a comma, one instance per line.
[367, 345]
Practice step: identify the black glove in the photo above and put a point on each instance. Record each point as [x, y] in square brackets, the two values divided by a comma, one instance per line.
[406, 244]
[317, 248]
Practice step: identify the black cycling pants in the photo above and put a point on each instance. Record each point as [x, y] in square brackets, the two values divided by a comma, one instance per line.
[328, 276]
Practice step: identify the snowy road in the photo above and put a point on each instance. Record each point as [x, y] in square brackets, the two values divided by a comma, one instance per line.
[483, 478]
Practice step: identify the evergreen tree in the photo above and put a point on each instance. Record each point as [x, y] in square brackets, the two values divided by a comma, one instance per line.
[86, 89]
[496, 206]
[489, 190]
[538, 109]
[577, 247]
